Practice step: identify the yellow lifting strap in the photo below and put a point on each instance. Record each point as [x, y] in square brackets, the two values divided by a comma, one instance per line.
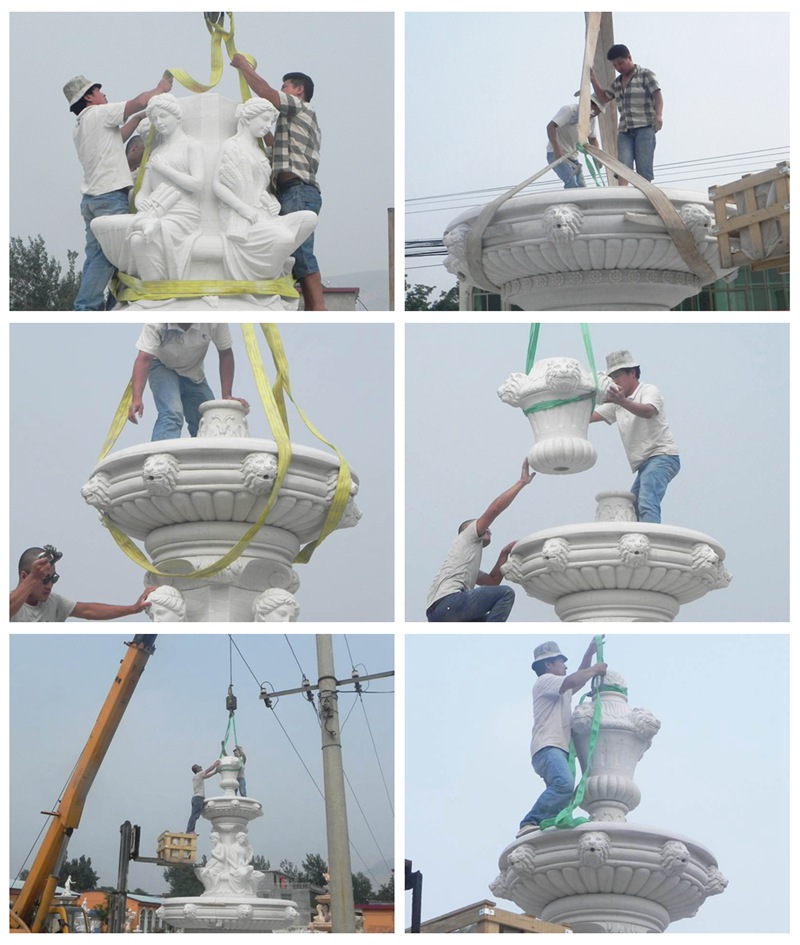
[197, 288]
[272, 399]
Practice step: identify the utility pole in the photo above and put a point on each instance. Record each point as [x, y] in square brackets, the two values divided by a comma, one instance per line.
[343, 917]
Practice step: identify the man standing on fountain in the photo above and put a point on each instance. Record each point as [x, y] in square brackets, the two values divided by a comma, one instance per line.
[552, 727]
[453, 596]
[295, 162]
[199, 792]
[652, 452]
[171, 360]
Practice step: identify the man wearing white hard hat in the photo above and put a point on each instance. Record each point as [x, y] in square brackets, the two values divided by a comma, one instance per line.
[99, 142]
[638, 410]
[454, 596]
[552, 727]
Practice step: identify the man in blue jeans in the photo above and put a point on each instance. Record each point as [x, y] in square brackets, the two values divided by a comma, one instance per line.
[638, 410]
[641, 106]
[295, 162]
[453, 596]
[170, 359]
[199, 775]
[552, 727]
[99, 138]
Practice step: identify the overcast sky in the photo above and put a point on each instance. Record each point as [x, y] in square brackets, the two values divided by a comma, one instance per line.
[717, 772]
[177, 718]
[128, 54]
[67, 382]
[503, 76]
[464, 447]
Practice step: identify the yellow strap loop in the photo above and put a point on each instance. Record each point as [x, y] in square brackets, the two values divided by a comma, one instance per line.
[197, 288]
[218, 34]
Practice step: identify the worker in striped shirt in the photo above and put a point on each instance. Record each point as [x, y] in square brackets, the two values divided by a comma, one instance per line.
[641, 105]
[295, 162]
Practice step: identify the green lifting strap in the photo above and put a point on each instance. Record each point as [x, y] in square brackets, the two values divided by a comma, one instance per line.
[564, 818]
[231, 728]
[533, 341]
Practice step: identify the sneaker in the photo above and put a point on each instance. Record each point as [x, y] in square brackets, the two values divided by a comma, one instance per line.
[527, 828]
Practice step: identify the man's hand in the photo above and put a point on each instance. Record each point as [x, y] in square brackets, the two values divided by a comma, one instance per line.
[165, 85]
[592, 648]
[135, 410]
[527, 473]
[615, 395]
[239, 62]
[240, 400]
[143, 603]
[38, 570]
[599, 669]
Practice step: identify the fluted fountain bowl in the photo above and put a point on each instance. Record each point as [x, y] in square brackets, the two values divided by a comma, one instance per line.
[587, 249]
[608, 877]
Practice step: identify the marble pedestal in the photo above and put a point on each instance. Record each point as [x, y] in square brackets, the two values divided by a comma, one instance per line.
[593, 249]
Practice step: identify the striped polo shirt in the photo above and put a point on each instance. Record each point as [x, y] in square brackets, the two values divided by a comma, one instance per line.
[297, 140]
[635, 100]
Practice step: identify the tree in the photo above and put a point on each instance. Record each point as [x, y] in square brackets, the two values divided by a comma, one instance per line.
[290, 870]
[261, 863]
[182, 881]
[80, 869]
[386, 892]
[312, 869]
[418, 299]
[36, 283]
[362, 889]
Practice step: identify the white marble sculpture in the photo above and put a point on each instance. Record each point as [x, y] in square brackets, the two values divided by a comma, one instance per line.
[616, 568]
[230, 901]
[561, 429]
[155, 242]
[166, 605]
[275, 605]
[609, 875]
[190, 500]
[593, 248]
[257, 239]
[204, 218]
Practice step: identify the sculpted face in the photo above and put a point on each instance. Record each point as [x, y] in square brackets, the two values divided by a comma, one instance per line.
[164, 121]
[259, 125]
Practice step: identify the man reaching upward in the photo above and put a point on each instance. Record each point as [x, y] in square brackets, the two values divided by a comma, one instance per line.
[454, 595]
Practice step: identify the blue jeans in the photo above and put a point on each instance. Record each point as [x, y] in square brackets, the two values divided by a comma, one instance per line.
[97, 270]
[489, 604]
[242, 787]
[552, 766]
[197, 810]
[292, 199]
[637, 146]
[176, 398]
[652, 479]
[570, 171]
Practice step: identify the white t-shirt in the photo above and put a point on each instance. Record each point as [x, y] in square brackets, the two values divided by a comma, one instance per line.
[552, 714]
[461, 566]
[55, 609]
[199, 784]
[99, 144]
[567, 120]
[183, 351]
[642, 438]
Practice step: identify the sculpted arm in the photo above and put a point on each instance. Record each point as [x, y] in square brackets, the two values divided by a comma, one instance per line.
[191, 182]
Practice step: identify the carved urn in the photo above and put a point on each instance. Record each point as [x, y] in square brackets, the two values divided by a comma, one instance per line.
[557, 398]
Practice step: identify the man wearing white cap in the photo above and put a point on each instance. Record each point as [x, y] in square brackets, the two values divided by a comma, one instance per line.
[453, 596]
[552, 726]
[106, 175]
[562, 137]
[638, 409]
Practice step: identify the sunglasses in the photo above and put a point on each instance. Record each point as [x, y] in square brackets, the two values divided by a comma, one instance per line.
[50, 579]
